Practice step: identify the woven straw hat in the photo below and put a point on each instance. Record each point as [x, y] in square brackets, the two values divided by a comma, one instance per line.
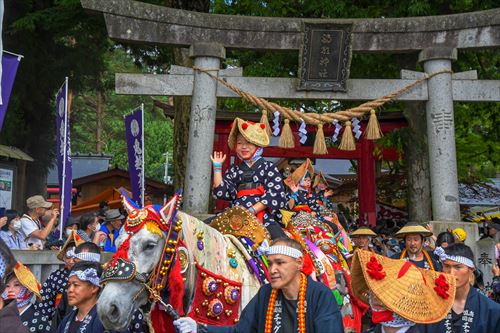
[72, 239]
[252, 132]
[319, 179]
[419, 295]
[296, 176]
[363, 231]
[413, 228]
[27, 279]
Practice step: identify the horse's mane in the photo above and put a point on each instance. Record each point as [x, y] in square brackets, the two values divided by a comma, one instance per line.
[9, 260]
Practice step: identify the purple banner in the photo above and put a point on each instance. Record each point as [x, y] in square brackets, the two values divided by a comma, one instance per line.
[63, 153]
[10, 62]
[134, 132]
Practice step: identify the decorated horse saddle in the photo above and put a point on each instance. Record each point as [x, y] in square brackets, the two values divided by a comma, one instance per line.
[239, 222]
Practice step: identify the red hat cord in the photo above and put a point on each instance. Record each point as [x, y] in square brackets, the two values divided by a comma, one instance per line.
[375, 269]
[442, 286]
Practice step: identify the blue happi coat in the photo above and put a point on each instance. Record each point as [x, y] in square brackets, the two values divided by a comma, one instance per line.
[480, 315]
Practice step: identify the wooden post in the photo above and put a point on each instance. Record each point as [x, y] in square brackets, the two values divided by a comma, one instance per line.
[367, 187]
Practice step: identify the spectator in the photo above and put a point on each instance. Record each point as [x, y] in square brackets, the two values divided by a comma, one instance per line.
[445, 239]
[11, 231]
[111, 228]
[55, 285]
[90, 229]
[53, 241]
[31, 227]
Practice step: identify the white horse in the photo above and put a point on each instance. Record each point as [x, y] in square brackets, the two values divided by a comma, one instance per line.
[152, 241]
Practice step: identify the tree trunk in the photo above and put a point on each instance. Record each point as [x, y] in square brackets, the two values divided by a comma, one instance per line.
[417, 164]
[98, 122]
[182, 105]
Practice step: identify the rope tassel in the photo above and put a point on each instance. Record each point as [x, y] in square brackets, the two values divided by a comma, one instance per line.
[319, 142]
[265, 120]
[373, 131]
[286, 138]
[347, 142]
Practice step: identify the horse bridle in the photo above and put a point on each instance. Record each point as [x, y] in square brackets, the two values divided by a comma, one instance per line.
[123, 270]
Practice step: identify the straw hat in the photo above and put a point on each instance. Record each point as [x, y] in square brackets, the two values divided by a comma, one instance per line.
[363, 231]
[252, 132]
[419, 295]
[319, 179]
[298, 174]
[27, 279]
[413, 228]
[72, 239]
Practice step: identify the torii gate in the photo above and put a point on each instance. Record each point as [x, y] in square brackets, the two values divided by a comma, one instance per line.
[436, 38]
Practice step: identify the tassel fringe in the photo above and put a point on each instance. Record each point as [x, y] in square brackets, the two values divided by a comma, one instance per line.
[286, 138]
[319, 142]
[265, 120]
[373, 131]
[347, 142]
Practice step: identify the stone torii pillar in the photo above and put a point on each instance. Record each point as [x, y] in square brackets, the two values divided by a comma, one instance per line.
[202, 127]
[441, 134]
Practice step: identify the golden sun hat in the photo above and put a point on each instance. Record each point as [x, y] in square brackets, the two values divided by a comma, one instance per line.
[27, 279]
[73, 238]
[413, 228]
[418, 295]
[298, 174]
[252, 132]
[363, 231]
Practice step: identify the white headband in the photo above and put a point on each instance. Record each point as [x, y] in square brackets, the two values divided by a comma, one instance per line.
[89, 275]
[265, 249]
[88, 256]
[439, 251]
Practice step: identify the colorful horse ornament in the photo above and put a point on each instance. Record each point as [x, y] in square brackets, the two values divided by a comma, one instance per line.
[165, 255]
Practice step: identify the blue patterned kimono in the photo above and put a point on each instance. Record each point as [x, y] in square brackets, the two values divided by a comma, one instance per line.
[55, 284]
[262, 174]
[481, 314]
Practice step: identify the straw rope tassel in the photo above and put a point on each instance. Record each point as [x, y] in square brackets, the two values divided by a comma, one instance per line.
[319, 143]
[373, 131]
[265, 120]
[286, 137]
[347, 142]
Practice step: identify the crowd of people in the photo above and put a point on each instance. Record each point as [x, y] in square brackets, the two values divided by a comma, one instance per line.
[409, 280]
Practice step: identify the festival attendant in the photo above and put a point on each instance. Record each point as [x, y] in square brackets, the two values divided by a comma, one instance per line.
[255, 183]
[471, 311]
[414, 236]
[400, 295]
[23, 287]
[300, 196]
[291, 303]
[55, 285]
[322, 192]
[362, 238]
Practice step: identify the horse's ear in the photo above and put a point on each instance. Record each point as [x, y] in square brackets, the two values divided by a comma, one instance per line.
[167, 212]
[127, 202]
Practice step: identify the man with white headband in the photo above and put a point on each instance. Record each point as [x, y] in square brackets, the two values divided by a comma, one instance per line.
[291, 303]
[471, 311]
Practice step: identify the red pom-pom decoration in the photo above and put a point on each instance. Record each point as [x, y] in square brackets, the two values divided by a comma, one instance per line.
[442, 287]
[244, 126]
[262, 126]
[375, 269]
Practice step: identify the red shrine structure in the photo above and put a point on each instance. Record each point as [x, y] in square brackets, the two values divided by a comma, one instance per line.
[364, 153]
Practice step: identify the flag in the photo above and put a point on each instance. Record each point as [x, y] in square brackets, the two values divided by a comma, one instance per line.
[10, 62]
[63, 153]
[134, 133]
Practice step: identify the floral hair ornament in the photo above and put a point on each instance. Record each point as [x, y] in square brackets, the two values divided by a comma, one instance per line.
[442, 286]
[375, 269]
[87, 275]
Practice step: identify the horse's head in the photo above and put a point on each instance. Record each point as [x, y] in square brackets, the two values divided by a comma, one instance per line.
[148, 236]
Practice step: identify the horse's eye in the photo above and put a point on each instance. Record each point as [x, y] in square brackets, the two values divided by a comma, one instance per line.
[149, 246]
